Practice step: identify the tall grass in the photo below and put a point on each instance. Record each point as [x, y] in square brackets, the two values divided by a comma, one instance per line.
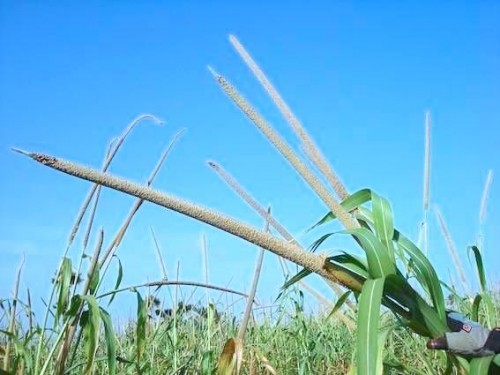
[395, 293]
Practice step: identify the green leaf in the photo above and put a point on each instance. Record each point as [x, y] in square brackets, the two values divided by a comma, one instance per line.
[425, 273]
[464, 364]
[479, 267]
[383, 222]
[91, 328]
[63, 280]
[352, 202]
[340, 303]
[74, 306]
[480, 366]
[94, 281]
[368, 326]
[141, 327]
[318, 242]
[490, 309]
[379, 261]
[496, 361]
[299, 276]
[349, 272]
[423, 318]
[118, 279]
[109, 337]
[382, 338]
[351, 263]
[475, 307]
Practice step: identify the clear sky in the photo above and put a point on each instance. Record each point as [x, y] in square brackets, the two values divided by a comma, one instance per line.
[359, 75]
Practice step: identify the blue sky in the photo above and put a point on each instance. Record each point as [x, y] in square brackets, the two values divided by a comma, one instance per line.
[359, 75]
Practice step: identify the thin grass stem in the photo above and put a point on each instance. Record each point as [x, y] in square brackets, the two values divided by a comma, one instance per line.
[483, 209]
[12, 316]
[71, 329]
[138, 203]
[452, 249]
[253, 289]
[160, 257]
[111, 155]
[426, 186]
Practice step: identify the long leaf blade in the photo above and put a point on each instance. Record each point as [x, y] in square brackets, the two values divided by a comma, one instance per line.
[383, 222]
[480, 366]
[91, 330]
[141, 327]
[379, 262]
[352, 202]
[109, 336]
[479, 267]
[119, 278]
[425, 273]
[368, 326]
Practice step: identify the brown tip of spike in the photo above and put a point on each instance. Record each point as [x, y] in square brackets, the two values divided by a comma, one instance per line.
[44, 159]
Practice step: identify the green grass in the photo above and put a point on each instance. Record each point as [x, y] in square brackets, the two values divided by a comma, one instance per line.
[291, 341]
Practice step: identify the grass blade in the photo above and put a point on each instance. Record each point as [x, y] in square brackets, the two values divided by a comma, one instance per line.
[349, 204]
[479, 267]
[109, 158]
[379, 261]
[119, 278]
[91, 320]
[483, 207]
[140, 335]
[296, 278]
[368, 326]
[340, 303]
[64, 281]
[425, 273]
[109, 337]
[318, 242]
[253, 291]
[480, 366]
[383, 222]
[12, 316]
